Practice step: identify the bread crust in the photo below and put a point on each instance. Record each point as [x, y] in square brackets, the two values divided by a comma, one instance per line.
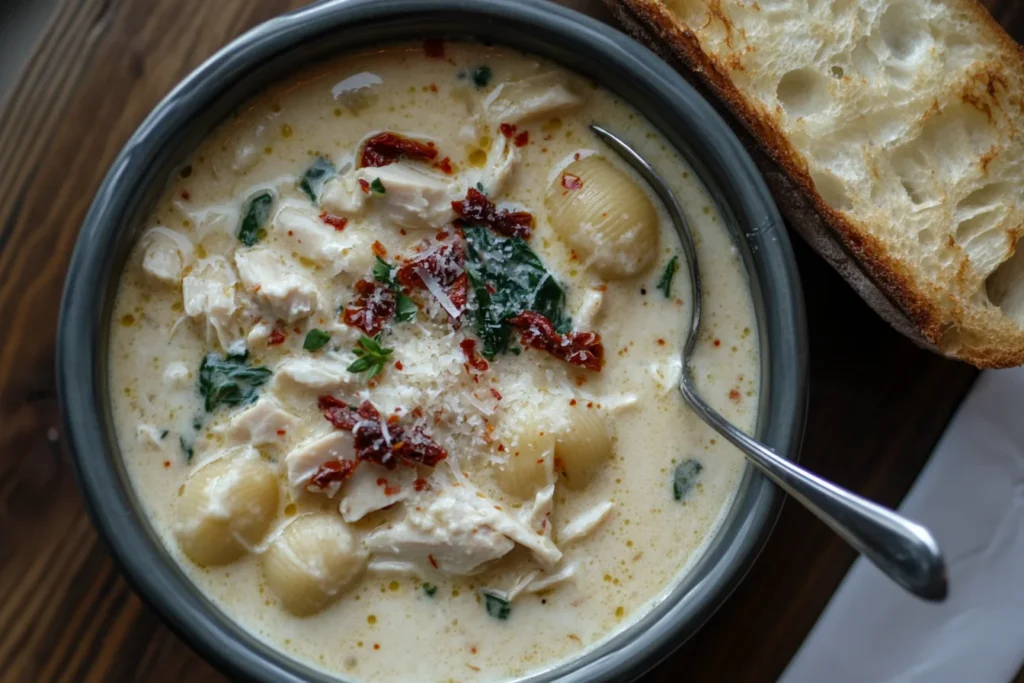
[985, 339]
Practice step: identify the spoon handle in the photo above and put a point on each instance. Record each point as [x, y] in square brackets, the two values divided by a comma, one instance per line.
[904, 550]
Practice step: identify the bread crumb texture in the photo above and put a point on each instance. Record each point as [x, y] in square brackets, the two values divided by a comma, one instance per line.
[901, 121]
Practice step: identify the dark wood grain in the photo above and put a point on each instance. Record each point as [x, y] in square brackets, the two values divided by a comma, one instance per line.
[878, 404]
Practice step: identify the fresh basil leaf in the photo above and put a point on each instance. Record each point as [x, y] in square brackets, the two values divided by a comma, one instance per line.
[382, 271]
[255, 216]
[229, 381]
[313, 180]
[406, 309]
[665, 283]
[481, 76]
[497, 606]
[685, 478]
[377, 186]
[360, 364]
[519, 281]
[315, 340]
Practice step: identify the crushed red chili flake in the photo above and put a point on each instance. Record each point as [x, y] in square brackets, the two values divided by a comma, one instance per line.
[572, 401]
[379, 249]
[734, 395]
[441, 236]
[167, 464]
[364, 185]
[478, 209]
[433, 562]
[281, 432]
[336, 222]
[381, 481]
[717, 342]
[186, 195]
[468, 347]
[392, 490]
[387, 148]
[417, 412]
[419, 484]
[522, 139]
[374, 305]
[576, 156]
[276, 337]
[432, 87]
[496, 394]
[583, 349]
[332, 471]
[571, 182]
[398, 365]
[507, 129]
[445, 166]
[434, 48]
[661, 342]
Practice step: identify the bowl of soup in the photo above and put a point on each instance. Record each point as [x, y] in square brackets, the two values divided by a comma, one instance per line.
[370, 349]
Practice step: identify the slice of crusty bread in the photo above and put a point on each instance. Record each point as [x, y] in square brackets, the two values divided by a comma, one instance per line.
[895, 125]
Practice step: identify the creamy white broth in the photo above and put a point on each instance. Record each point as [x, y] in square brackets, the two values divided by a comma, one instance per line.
[385, 626]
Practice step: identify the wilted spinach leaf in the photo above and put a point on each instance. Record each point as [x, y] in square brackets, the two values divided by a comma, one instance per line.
[257, 212]
[685, 478]
[518, 282]
[318, 173]
[497, 606]
[229, 381]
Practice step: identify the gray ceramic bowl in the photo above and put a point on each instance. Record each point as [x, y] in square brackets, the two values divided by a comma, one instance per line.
[275, 50]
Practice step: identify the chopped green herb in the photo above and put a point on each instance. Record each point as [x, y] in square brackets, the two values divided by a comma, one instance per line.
[187, 448]
[519, 282]
[430, 589]
[480, 187]
[481, 76]
[313, 180]
[315, 340]
[685, 478]
[197, 424]
[406, 309]
[370, 356]
[377, 186]
[229, 381]
[665, 283]
[164, 434]
[255, 216]
[496, 605]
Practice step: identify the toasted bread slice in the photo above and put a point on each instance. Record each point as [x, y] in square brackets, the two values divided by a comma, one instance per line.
[897, 125]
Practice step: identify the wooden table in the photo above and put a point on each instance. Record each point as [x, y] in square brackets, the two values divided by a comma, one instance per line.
[878, 404]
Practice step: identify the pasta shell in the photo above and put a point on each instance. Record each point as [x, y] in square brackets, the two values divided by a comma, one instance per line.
[226, 508]
[582, 449]
[529, 463]
[605, 217]
[312, 562]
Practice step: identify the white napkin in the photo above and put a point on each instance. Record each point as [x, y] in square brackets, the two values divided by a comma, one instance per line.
[971, 495]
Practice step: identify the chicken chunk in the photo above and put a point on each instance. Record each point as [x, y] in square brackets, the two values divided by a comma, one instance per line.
[265, 422]
[308, 236]
[458, 533]
[531, 99]
[585, 523]
[497, 174]
[276, 283]
[166, 255]
[373, 488]
[314, 376]
[411, 198]
[303, 461]
[210, 296]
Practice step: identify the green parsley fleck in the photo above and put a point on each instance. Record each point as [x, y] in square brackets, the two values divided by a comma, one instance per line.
[315, 340]
[481, 76]
[430, 589]
[377, 187]
[665, 283]
[497, 606]
[187, 448]
[164, 434]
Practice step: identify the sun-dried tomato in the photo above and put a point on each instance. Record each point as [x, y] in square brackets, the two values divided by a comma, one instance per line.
[477, 209]
[333, 471]
[336, 222]
[338, 413]
[468, 347]
[571, 182]
[583, 349]
[445, 264]
[387, 148]
[458, 292]
[276, 337]
[445, 166]
[374, 305]
[386, 444]
[507, 129]
[522, 139]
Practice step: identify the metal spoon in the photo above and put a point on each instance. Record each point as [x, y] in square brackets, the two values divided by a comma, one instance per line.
[904, 550]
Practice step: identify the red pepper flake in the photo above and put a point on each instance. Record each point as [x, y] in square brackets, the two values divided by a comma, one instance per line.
[379, 249]
[433, 562]
[276, 337]
[432, 87]
[419, 484]
[332, 471]
[507, 129]
[387, 148]
[734, 395]
[364, 185]
[590, 404]
[571, 182]
[381, 481]
[281, 432]
[376, 646]
[522, 139]
[336, 222]
[468, 347]
[501, 448]
[392, 490]
[496, 394]
[583, 349]
[417, 412]
[374, 306]
[401, 231]
[186, 195]
[661, 342]
[572, 401]
[576, 156]
[167, 464]
[473, 649]
[445, 166]
[478, 209]
[717, 342]
[398, 365]
[434, 48]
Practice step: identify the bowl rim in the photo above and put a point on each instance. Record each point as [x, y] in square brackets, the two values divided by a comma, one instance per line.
[83, 327]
